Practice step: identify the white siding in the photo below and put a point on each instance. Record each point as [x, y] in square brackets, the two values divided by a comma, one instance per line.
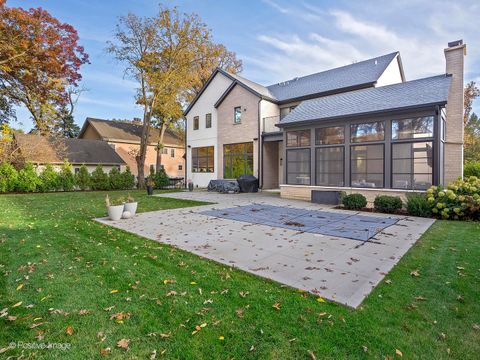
[203, 136]
[391, 75]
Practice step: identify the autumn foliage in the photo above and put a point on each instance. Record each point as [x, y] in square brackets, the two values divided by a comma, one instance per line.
[40, 60]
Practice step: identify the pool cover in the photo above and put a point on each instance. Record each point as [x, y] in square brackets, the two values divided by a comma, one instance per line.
[351, 226]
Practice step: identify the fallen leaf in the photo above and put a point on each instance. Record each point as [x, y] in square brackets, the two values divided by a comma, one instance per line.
[221, 338]
[153, 355]
[320, 300]
[84, 312]
[2, 350]
[123, 343]
[420, 298]
[163, 335]
[17, 304]
[113, 291]
[105, 352]
[415, 273]
[11, 318]
[312, 355]
[398, 352]
[19, 287]
[240, 312]
[168, 281]
[69, 330]
[193, 283]
[476, 327]
[276, 306]
[365, 349]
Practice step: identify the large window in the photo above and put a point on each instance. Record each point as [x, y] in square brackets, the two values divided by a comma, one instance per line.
[412, 165]
[373, 131]
[298, 138]
[203, 159]
[366, 164]
[237, 115]
[330, 135]
[298, 166]
[237, 160]
[421, 127]
[329, 165]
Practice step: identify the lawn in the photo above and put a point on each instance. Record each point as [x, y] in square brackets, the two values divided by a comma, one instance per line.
[66, 279]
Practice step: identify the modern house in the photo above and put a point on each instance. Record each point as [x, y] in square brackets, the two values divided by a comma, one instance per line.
[124, 138]
[91, 153]
[361, 127]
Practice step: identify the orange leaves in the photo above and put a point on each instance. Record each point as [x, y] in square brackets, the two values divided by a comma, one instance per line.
[123, 343]
[198, 328]
[119, 317]
[69, 330]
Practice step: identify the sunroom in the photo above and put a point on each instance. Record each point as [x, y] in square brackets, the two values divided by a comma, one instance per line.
[381, 138]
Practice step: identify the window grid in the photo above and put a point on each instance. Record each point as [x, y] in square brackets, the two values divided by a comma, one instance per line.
[203, 159]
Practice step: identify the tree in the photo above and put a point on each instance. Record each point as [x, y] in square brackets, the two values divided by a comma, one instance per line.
[7, 111]
[128, 179]
[39, 60]
[99, 179]
[82, 178]
[28, 180]
[66, 127]
[66, 177]
[8, 177]
[472, 139]
[471, 92]
[115, 178]
[162, 53]
[49, 179]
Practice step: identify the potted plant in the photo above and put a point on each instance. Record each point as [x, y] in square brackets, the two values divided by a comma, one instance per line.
[150, 185]
[190, 185]
[114, 208]
[131, 206]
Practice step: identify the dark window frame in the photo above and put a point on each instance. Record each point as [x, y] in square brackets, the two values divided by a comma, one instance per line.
[245, 154]
[352, 141]
[342, 146]
[208, 121]
[330, 127]
[196, 122]
[383, 144]
[412, 119]
[172, 152]
[309, 164]
[208, 157]
[235, 115]
[298, 143]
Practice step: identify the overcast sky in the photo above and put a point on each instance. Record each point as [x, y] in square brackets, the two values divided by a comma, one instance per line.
[276, 39]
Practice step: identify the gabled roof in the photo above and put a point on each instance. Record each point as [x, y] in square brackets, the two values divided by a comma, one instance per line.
[346, 78]
[407, 95]
[128, 131]
[360, 74]
[76, 151]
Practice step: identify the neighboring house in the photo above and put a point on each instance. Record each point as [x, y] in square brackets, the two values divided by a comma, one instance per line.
[91, 153]
[124, 137]
[360, 126]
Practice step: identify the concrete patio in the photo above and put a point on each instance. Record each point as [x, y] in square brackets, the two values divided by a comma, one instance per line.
[337, 268]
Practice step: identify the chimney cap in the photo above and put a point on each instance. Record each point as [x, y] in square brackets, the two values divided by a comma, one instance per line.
[455, 43]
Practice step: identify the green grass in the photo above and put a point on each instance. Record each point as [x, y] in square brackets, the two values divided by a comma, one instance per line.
[67, 263]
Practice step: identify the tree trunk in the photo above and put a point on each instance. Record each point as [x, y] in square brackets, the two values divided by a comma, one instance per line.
[142, 154]
[158, 163]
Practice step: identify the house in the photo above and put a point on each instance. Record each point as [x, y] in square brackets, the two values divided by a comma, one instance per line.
[42, 151]
[124, 137]
[360, 127]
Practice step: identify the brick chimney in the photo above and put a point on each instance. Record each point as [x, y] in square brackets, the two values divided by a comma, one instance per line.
[454, 57]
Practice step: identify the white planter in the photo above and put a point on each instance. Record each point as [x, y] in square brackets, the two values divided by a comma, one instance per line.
[131, 208]
[115, 212]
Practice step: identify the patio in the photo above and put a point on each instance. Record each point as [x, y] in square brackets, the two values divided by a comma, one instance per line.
[339, 255]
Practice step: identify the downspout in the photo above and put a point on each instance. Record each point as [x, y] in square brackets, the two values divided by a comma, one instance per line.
[260, 149]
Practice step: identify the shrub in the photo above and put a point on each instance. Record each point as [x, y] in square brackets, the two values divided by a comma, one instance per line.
[99, 179]
[387, 204]
[418, 205]
[28, 180]
[471, 168]
[49, 179]
[128, 179]
[460, 200]
[8, 177]
[354, 201]
[161, 179]
[82, 178]
[115, 179]
[66, 178]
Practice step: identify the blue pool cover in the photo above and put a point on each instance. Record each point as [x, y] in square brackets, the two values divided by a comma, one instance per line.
[351, 226]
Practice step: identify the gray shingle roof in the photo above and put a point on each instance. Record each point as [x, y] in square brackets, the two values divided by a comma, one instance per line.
[410, 94]
[83, 151]
[262, 90]
[354, 75]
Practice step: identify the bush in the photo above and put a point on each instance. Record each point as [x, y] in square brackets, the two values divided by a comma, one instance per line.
[49, 179]
[354, 201]
[8, 178]
[418, 205]
[99, 179]
[471, 168]
[28, 180]
[115, 179]
[66, 178]
[161, 179]
[128, 179]
[459, 201]
[387, 204]
[82, 178]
